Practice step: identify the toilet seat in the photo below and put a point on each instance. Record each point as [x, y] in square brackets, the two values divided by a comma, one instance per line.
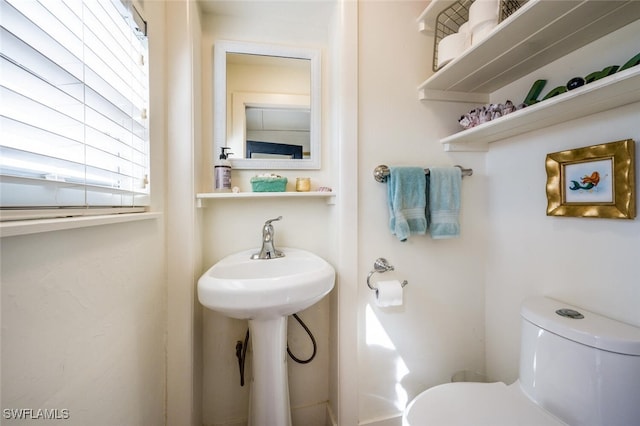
[478, 404]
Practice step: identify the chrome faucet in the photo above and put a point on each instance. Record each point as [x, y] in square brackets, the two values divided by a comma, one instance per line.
[268, 250]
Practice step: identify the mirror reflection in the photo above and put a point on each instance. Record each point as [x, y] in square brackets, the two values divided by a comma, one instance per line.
[273, 131]
[270, 113]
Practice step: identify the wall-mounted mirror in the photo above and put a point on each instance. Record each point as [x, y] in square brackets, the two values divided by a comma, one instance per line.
[267, 105]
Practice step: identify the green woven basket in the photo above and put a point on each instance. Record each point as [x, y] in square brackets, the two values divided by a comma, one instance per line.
[268, 184]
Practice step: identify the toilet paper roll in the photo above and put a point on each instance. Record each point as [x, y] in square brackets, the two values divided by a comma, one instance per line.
[389, 293]
[482, 30]
[450, 48]
[483, 10]
[465, 29]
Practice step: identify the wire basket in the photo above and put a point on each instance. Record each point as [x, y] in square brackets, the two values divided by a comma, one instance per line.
[451, 19]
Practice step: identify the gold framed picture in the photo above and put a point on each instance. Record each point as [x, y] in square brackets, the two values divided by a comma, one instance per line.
[594, 181]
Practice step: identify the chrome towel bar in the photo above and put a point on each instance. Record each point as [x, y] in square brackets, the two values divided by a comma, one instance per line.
[381, 172]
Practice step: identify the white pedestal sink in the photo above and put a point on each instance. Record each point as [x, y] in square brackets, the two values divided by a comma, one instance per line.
[265, 292]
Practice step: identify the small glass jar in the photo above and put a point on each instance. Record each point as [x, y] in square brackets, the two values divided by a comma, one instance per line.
[303, 184]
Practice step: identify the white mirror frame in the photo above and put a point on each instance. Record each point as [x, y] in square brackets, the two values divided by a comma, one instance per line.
[221, 48]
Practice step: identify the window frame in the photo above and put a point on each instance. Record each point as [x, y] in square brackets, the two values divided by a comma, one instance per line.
[56, 212]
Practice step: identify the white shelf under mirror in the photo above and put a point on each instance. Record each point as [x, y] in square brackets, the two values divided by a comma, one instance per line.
[202, 197]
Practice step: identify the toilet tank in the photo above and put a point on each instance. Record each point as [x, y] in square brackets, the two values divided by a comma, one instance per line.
[583, 368]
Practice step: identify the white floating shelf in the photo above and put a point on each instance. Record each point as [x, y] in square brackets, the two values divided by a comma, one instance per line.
[329, 196]
[610, 92]
[537, 34]
[427, 19]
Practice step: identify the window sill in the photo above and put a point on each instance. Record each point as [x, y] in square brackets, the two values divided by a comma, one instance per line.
[26, 227]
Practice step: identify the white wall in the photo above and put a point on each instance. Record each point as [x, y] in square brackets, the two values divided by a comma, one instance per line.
[440, 329]
[183, 105]
[270, 29]
[343, 386]
[84, 322]
[592, 263]
[232, 225]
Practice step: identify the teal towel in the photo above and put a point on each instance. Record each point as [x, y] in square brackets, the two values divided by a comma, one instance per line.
[406, 196]
[444, 202]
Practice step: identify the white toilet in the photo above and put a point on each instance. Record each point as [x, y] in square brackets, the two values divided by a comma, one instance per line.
[576, 368]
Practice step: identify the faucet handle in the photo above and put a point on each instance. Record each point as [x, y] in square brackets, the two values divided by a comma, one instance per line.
[268, 251]
[268, 222]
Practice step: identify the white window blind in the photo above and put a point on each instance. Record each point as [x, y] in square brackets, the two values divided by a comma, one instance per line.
[73, 104]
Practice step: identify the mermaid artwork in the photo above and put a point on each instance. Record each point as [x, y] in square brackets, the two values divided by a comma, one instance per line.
[587, 182]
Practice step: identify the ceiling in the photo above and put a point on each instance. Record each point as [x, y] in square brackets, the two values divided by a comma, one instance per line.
[299, 11]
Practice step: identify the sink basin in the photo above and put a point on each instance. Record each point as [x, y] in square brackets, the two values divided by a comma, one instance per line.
[245, 288]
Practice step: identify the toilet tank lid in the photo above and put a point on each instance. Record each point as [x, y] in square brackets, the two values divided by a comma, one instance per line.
[593, 330]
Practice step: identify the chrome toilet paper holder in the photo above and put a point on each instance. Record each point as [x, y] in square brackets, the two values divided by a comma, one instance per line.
[381, 265]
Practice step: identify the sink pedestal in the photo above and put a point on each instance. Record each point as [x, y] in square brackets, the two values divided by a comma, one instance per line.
[269, 401]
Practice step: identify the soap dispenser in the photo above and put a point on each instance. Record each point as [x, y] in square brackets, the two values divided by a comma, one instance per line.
[222, 171]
